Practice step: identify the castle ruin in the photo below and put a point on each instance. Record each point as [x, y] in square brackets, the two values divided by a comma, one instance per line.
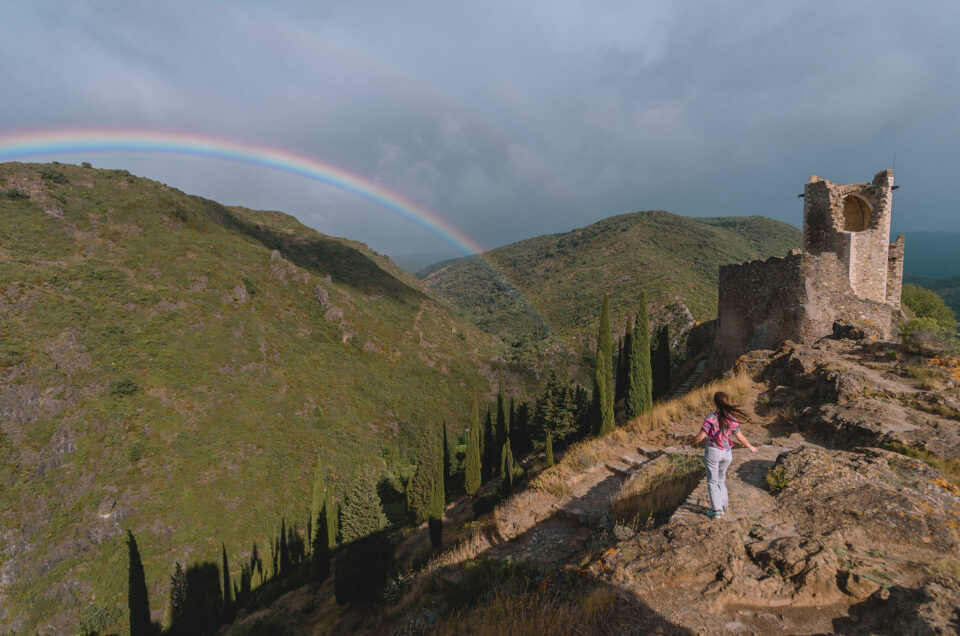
[848, 271]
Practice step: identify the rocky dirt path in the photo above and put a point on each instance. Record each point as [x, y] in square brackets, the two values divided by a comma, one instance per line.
[746, 487]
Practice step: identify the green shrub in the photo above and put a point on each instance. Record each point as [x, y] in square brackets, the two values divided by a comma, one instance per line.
[16, 194]
[777, 479]
[95, 620]
[927, 337]
[925, 303]
[52, 175]
[123, 387]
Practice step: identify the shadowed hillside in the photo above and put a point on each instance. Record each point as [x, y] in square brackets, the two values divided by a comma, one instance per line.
[175, 367]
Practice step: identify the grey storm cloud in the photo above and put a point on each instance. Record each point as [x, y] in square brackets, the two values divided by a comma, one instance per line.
[508, 119]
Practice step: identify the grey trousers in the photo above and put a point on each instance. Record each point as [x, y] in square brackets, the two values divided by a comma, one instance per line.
[717, 461]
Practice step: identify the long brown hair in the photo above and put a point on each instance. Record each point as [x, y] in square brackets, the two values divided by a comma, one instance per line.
[726, 411]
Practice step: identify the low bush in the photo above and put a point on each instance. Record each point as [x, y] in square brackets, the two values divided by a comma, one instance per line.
[777, 479]
[52, 175]
[123, 387]
[927, 337]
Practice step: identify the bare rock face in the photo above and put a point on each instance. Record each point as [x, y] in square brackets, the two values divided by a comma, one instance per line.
[849, 528]
[333, 314]
[321, 296]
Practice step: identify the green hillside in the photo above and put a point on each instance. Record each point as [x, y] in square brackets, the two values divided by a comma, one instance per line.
[174, 366]
[553, 283]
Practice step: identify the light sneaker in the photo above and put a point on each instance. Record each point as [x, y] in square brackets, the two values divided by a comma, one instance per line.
[715, 514]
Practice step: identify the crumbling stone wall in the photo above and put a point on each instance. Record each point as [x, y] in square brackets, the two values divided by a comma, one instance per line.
[847, 271]
[895, 273]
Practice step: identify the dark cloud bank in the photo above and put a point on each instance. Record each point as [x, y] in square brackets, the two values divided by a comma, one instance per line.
[510, 119]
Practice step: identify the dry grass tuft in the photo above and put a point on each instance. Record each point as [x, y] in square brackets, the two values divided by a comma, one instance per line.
[660, 486]
[535, 614]
[465, 550]
[696, 402]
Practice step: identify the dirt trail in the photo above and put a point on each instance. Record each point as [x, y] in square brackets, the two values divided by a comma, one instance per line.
[746, 486]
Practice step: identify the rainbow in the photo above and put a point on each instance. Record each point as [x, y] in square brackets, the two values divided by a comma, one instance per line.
[20, 145]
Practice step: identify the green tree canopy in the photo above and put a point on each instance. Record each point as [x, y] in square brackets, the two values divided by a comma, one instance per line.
[362, 512]
[926, 303]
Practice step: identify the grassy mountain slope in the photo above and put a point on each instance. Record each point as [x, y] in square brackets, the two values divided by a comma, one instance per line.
[174, 366]
[556, 281]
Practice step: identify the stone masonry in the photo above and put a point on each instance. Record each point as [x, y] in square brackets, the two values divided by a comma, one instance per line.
[848, 271]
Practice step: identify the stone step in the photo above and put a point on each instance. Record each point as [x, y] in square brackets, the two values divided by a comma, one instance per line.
[574, 514]
[618, 467]
[649, 452]
[634, 460]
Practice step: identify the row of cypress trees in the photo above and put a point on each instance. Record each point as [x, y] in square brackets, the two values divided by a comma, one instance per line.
[643, 368]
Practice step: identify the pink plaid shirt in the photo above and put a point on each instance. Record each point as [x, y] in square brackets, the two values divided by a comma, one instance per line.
[715, 435]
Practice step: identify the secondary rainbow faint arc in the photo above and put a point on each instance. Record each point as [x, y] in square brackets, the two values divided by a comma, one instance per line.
[26, 144]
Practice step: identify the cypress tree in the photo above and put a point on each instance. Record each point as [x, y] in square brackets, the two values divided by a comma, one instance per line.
[619, 368]
[275, 556]
[227, 602]
[285, 564]
[137, 598]
[661, 364]
[503, 424]
[446, 454]
[178, 601]
[420, 487]
[362, 512]
[331, 517]
[490, 450]
[506, 468]
[521, 432]
[320, 548]
[603, 377]
[472, 468]
[639, 396]
[549, 449]
[316, 501]
[438, 502]
[256, 563]
[243, 594]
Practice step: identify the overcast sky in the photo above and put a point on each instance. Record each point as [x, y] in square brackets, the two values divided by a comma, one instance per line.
[509, 119]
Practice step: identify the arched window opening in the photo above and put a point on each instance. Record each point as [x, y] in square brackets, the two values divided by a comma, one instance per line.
[856, 214]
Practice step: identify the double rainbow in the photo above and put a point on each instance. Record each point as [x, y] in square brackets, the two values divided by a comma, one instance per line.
[27, 144]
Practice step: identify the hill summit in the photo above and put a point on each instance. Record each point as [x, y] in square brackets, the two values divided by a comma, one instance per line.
[551, 285]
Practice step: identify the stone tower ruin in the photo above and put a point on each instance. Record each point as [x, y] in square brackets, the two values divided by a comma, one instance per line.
[848, 272]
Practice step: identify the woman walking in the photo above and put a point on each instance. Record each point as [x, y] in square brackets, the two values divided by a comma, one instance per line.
[717, 429]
